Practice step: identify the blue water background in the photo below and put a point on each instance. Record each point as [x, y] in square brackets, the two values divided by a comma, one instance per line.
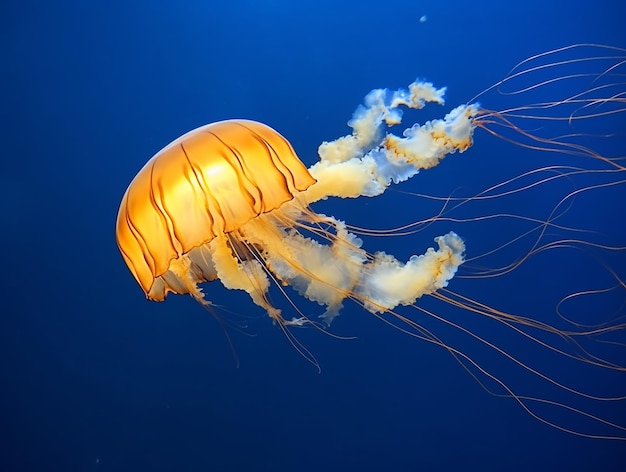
[94, 377]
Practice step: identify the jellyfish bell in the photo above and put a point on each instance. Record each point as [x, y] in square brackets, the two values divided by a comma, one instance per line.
[207, 183]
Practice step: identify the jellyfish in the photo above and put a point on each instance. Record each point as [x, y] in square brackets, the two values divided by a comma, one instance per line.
[228, 200]
[232, 202]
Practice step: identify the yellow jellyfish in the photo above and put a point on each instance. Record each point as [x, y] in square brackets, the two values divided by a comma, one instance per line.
[231, 201]
[226, 201]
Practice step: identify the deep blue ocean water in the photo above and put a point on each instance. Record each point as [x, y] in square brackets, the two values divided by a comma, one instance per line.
[96, 378]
